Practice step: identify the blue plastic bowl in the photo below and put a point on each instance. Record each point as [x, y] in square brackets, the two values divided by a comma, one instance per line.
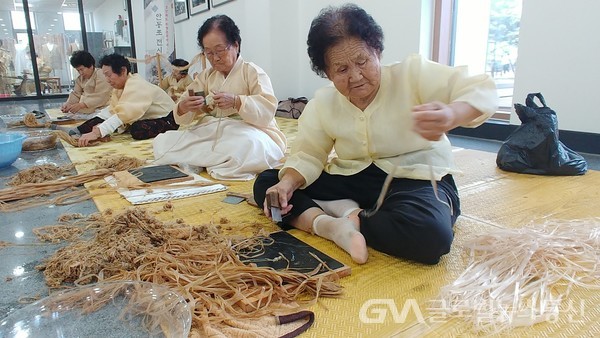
[10, 148]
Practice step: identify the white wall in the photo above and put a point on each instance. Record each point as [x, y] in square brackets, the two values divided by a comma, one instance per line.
[559, 45]
[401, 22]
[559, 48]
[274, 35]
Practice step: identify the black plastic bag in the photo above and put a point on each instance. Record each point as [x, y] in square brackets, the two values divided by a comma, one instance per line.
[534, 148]
[292, 107]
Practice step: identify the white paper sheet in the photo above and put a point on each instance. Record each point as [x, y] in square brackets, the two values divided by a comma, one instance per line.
[172, 192]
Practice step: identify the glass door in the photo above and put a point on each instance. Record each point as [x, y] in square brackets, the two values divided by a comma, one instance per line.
[16, 68]
[108, 28]
[57, 35]
[51, 30]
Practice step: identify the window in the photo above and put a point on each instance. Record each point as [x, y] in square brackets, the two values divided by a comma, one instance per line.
[71, 21]
[53, 36]
[18, 20]
[484, 35]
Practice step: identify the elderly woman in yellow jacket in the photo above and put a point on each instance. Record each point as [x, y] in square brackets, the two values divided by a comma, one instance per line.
[136, 105]
[176, 82]
[91, 91]
[236, 136]
[382, 121]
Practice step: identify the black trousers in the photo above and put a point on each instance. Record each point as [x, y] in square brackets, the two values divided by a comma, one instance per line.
[141, 129]
[411, 223]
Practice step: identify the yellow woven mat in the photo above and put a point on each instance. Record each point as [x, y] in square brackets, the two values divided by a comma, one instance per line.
[489, 197]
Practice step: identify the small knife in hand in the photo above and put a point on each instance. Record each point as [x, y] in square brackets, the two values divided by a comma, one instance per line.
[273, 205]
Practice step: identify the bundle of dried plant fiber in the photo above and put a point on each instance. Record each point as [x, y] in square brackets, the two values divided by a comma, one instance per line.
[39, 173]
[40, 181]
[198, 262]
[73, 141]
[63, 135]
[119, 163]
[28, 190]
[31, 121]
[42, 141]
[518, 277]
[57, 233]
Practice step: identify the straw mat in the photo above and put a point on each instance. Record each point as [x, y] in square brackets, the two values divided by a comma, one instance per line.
[490, 198]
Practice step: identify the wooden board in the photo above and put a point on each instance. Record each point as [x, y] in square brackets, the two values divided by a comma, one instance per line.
[283, 251]
[163, 174]
[287, 252]
[66, 120]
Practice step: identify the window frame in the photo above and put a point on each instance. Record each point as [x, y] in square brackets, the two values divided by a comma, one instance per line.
[442, 49]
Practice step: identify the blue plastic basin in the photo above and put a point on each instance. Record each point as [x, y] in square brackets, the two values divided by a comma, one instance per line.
[10, 148]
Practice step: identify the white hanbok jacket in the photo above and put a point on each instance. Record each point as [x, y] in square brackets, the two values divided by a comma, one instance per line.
[230, 144]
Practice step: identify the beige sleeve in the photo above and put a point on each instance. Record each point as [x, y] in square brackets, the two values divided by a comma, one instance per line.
[75, 95]
[311, 147]
[437, 82]
[133, 102]
[188, 117]
[98, 93]
[259, 106]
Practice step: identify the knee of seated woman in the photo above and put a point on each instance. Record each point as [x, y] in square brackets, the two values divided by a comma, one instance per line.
[439, 236]
[427, 244]
[264, 181]
[435, 246]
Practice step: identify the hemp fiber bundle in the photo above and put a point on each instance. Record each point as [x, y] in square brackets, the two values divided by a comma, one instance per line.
[74, 142]
[27, 190]
[31, 121]
[198, 262]
[39, 173]
[518, 277]
[40, 181]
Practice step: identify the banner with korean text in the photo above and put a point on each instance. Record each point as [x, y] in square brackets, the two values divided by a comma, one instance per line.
[160, 37]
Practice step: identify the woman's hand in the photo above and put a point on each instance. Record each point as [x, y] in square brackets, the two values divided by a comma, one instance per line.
[72, 108]
[290, 181]
[284, 192]
[93, 135]
[190, 103]
[224, 100]
[432, 120]
[65, 107]
[76, 107]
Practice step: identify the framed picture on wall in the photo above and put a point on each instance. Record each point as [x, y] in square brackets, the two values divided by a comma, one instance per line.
[181, 10]
[216, 3]
[198, 6]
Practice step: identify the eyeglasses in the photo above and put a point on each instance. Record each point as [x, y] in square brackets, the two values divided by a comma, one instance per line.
[220, 52]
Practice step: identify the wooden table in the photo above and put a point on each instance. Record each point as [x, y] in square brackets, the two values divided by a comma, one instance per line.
[53, 83]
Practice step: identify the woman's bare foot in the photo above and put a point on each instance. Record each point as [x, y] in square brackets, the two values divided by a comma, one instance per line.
[343, 232]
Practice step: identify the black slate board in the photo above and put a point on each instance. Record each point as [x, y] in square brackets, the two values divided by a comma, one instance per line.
[297, 256]
[159, 173]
